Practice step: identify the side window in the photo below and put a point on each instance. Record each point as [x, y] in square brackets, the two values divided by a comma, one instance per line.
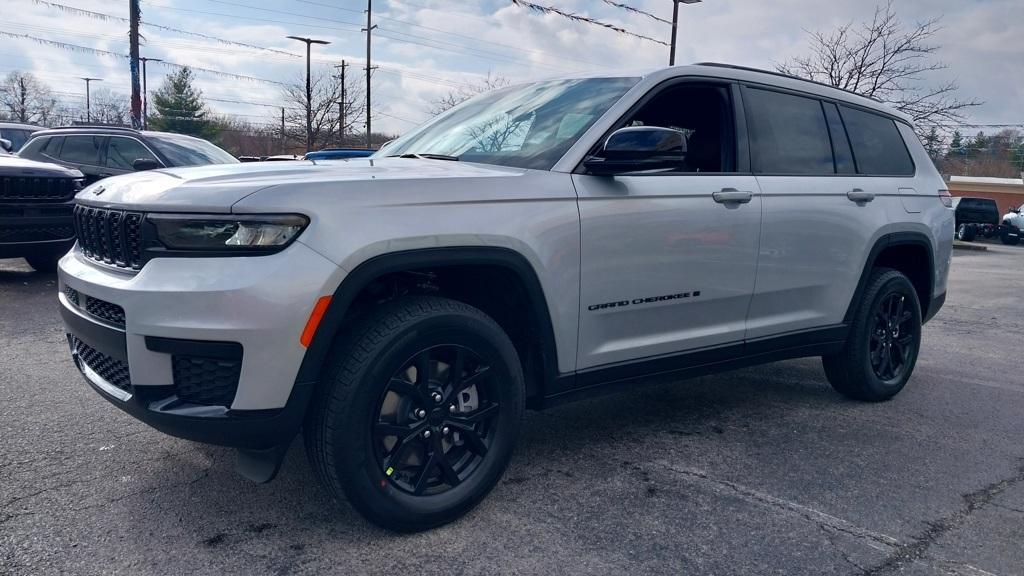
[82, 150]
[877, 144]
[788, 134]
[123, 152]
[840, 142]
[17, 138]
[703, 113]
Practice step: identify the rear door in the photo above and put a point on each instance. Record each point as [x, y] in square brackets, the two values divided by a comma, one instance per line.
[85, 152]
[820, 217]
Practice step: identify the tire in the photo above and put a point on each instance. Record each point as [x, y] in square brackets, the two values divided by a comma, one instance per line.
[45, 263]
[371, 385]
[966, 233]
[1010, 235]
[860, 370]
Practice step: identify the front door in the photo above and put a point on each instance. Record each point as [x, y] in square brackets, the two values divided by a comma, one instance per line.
[668, 258]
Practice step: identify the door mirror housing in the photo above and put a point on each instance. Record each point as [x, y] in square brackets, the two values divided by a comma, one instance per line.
[141, 164]
[6, 145]
[639, 148]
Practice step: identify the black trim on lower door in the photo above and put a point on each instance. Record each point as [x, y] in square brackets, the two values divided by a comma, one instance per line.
[620, 376]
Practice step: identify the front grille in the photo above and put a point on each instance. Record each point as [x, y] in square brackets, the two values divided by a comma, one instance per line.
[104, 310]
[37, 233]
[207, 381]
[110, 236]
[71, 294]
[31, 189]
[111, 370]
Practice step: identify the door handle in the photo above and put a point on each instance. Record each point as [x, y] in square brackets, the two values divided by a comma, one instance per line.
[858, 195]
[731, 196]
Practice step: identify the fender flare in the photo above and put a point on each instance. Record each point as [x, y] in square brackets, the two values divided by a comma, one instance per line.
[367, 271]
[889, 241]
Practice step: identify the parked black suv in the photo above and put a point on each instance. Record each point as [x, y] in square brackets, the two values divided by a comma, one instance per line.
[36, 201]
[102, 151]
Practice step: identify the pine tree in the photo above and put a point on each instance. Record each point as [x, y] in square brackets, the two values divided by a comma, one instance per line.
[956, 145]
[180, 107]
[933, 143]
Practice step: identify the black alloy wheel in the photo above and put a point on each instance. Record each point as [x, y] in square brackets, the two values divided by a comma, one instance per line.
[892, 337]
[432, 426]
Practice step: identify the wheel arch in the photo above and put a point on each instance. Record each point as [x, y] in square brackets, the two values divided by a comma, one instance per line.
[376, 267]
[912, 254]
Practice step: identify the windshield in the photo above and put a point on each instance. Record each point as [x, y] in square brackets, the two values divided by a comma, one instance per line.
[186, 151]
[530, 126]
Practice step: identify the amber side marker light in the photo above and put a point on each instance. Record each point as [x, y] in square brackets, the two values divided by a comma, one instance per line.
[319, 309]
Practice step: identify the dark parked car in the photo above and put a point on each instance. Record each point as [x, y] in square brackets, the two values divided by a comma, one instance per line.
[102, 151]
[16, 134]
[979, 217]
[36, 210]
[339, 153]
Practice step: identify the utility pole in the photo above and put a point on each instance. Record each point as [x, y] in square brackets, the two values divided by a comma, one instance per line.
[369, 68]
[282, 129]
[341, 106]
[309, 90]
[675, 26]
[145, 91]
[88, 107]
[134, 15]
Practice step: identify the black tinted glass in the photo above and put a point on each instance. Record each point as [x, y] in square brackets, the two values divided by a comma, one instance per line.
[878, 146]
[840, 143]
[123, 152]
[82, 149]
[788, 134]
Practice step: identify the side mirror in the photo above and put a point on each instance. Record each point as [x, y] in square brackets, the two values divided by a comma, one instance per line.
[639, 148]
[6, 145]
[145, 164]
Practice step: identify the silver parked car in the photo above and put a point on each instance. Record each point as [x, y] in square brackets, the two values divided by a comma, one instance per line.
[533, 245]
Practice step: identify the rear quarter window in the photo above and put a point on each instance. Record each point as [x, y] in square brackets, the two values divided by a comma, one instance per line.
[878, 146]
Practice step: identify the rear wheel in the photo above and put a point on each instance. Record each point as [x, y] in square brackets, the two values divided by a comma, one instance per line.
[418, 413]
[885, 337]
[1010, 235]
[966, 233]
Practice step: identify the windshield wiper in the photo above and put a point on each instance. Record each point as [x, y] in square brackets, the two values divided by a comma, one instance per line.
[427, 156]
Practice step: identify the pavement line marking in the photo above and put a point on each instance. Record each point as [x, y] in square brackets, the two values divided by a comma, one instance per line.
[875, 540]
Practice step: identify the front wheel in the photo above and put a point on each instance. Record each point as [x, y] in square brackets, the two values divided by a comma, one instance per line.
[418, 412]
[45, 262]
[885, 337]
[1010, 235]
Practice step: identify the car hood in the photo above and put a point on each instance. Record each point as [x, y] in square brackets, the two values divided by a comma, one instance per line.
[16, 166]
[217, 187]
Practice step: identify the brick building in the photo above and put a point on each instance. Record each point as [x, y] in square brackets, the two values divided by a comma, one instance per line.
[1007, 192]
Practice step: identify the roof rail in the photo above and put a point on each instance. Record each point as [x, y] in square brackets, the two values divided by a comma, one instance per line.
[784, 75]
[94, 126]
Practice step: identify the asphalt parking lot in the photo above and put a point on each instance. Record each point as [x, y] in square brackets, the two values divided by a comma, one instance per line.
[759, 471]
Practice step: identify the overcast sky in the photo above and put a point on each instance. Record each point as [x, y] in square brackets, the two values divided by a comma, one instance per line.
[423, 46]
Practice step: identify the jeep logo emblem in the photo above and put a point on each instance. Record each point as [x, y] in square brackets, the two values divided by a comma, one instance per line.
[99, 191]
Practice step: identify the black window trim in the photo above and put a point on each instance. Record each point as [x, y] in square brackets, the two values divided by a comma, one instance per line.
[741, 147]
[744, 86]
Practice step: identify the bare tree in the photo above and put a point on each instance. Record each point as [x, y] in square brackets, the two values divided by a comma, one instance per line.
[24, 98]
[461, 94]
[888, 61]
[109, 107]
[327, 93]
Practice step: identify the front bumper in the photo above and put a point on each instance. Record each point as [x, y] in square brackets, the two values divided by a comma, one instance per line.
[251, 310]
[26, 229]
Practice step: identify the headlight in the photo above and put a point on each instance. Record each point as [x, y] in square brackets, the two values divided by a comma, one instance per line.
[261, 233]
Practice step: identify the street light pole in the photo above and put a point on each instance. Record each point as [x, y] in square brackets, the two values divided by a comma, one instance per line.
[675, 26]
[88, 106]
[145, 93]
[309, 90]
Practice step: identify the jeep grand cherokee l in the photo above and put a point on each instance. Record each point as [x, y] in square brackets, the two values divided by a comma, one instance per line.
[528, 247]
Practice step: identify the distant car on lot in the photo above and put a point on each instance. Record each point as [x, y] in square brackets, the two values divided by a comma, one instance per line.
[339, 153]
[1015, 218]
[102, 151]
[980, 217]
[36, 202]
[17, 134]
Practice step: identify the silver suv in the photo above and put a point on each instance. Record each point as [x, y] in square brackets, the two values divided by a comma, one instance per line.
[534, 245]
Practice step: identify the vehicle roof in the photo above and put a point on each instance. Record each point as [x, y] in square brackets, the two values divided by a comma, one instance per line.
[753, 75]
[108, 130]
[21, 126]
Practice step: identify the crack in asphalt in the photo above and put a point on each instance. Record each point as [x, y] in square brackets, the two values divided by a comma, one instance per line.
[918, 546]
[818, 517]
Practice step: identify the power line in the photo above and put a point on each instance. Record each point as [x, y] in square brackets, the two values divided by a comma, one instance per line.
[629, 8]
[583, 19]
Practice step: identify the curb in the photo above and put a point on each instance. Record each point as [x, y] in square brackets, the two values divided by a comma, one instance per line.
[958, 245]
